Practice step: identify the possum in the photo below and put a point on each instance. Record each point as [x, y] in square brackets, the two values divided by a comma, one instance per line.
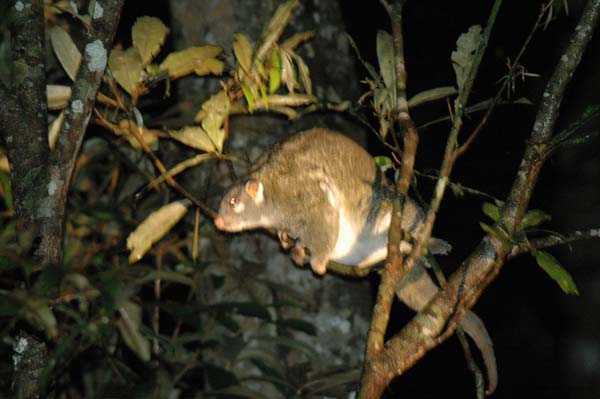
[324, 190]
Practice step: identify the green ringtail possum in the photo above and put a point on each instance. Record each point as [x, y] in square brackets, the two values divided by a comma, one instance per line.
[325, 191]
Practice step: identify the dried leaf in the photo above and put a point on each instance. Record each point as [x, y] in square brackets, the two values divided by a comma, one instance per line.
[66, 51]
[299, 325]
[304, 75]
[287, 111]
[275, 27]
[54, 130]
[243, 51]
[126, 67]
[37, 312]
[180, 167]
[554, 269]
[296, 40]
[195, 137]
[149, 136]
[216, 109]
[129, 327]
[290, 100]
[154, 227]
[4, 165]
[148, 35]
[58, 96]
[288, 71]
[431, 95]
[200, 60]
[462, 59]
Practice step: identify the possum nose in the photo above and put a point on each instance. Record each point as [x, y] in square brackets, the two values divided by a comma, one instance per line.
[219, 223]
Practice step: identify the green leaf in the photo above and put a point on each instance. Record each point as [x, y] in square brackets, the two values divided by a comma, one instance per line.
[290, 344]
[554, 269]
[228, 322]
[251, 309]
[499, 234]
[275, 71]
[267, 362]
[129, 327]
[383, 162]
[248, 95]
[7, 307]
[367, 66]
[49, 281]
[431, 95]
[462, 59]
[218, 377]
[170, 276]
[330, 381]
[385, 57]
[110, 287]
[298, 324]
[492, 211]
[533, 218]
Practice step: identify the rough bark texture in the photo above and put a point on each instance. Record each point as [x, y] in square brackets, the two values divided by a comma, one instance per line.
[23, 113]
[40, 179]
[30, 359]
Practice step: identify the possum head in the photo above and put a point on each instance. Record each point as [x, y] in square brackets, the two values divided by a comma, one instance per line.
[243, 208]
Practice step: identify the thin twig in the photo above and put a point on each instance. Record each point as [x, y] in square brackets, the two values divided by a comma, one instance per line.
[465, 146]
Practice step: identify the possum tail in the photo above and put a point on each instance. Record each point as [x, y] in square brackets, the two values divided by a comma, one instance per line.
[417, 289]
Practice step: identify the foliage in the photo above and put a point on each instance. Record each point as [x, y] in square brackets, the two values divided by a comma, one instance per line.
[179, 320]
[531, 220]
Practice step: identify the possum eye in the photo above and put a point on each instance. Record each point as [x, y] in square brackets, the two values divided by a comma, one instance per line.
[234, 202]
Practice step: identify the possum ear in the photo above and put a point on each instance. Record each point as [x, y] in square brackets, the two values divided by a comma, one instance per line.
[254, 188]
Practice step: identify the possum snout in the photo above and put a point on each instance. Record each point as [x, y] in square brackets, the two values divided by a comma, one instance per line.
[219, 223]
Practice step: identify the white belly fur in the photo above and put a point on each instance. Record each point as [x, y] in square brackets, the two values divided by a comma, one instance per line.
[346, 238]
[358, 248]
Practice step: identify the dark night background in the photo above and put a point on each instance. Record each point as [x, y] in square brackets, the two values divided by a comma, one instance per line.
[547, 343]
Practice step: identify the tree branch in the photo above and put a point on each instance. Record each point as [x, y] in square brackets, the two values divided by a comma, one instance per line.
[440, 317]
[97, 44]
[23, 113]
[394, 270]
[553, 240]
